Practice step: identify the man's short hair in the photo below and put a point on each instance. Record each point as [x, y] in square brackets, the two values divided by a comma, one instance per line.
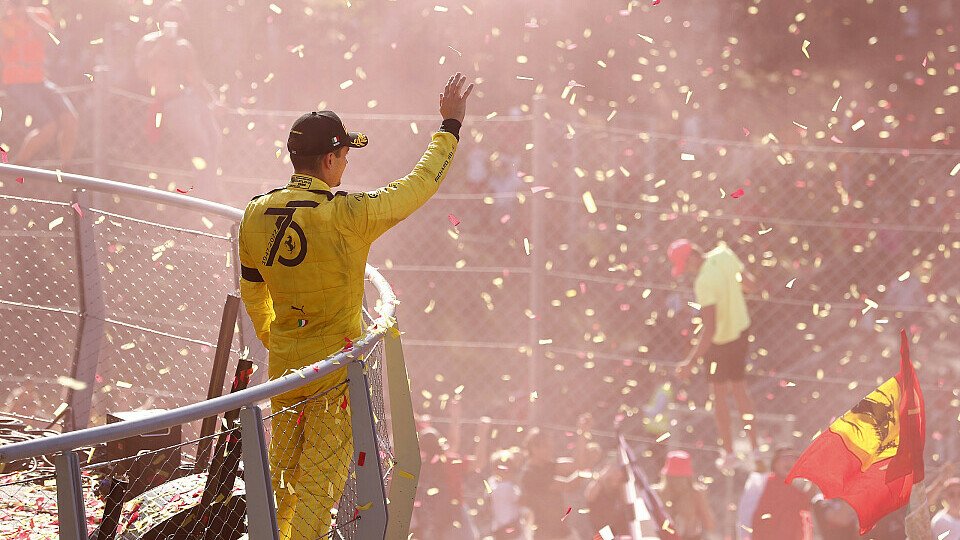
[309, 163]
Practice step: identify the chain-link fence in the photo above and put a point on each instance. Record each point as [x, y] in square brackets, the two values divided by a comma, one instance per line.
[552, 295]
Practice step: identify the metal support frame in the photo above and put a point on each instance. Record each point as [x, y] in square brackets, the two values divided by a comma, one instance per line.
[92, 314]
[220, 359]
[256, 476]
[373, 520]
[406, 446]
[70, 509]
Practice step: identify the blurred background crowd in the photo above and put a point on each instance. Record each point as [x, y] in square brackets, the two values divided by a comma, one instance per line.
[546, 321]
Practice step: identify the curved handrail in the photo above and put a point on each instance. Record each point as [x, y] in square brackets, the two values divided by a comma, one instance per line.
[196, 411]
[112, 186]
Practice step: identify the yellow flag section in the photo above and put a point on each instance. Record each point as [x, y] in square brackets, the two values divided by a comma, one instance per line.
[871, 429]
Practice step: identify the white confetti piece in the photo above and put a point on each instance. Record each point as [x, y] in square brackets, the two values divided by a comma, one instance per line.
[198, 163]
[589, 203]
[206, 222]
[687, 157]
[663, 437]
[128, 346]
[276, 9]
[837, 104]
[55, 223]
[956, 170]
[606, 533]
[694, 305]
[60, 409]
[860, 123]
[791, 282]
[904, 276]
[346, 84]
[526, 245]
[71, 383]
[414, 128]
[158, 119]
[804, 49]
[124, 384]
[648, 39]
[545, 341]
[54, 38]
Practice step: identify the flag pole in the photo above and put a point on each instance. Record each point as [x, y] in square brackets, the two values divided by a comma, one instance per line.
[918, 521]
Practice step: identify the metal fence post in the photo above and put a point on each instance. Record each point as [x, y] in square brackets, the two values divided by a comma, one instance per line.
[373, 520]
[70, 509]
[261, 505]
[541, 167]
[90, 330]
[406, 447]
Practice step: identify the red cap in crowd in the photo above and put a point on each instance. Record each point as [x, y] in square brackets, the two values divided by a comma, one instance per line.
[678, 464]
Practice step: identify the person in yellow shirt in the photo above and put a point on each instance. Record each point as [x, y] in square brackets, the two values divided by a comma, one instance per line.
[719, 278]
[303, 251]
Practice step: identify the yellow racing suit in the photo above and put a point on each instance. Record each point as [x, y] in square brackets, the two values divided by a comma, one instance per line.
[303, 251]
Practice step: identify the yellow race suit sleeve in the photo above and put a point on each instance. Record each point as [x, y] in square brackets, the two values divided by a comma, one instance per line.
[372, 213]
[255, 295]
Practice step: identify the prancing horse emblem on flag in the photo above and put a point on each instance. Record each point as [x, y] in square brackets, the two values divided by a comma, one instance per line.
[871, 429]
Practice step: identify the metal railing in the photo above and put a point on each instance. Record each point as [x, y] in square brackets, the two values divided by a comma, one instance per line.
[373, 361]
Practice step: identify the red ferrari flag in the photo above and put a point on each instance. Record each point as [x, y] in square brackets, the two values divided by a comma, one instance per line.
[873, 454]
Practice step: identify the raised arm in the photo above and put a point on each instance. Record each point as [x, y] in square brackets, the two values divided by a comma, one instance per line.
[373, 213]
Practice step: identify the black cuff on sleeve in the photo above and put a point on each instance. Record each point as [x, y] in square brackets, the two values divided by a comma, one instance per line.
[451, 126]
[250, 274]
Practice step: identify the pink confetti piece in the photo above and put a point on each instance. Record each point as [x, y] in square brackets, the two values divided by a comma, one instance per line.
[737, 194]
[574, 84]
[20, 180]
[454, 220]
[504, 218]
[746, 132]
[3, 155]
[76, 207]
[538, 189]
[567, 513]
[836, 139]
[655, 3]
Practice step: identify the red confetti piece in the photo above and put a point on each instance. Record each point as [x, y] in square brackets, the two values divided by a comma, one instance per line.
[343, 404]
[348, 345]
[300, 416]
[454, 220]
[76, 207]
[185, 191]
[356, 512]
[361, 459]
[655, 3]
[567, 513]
[20, 180]
[737, 194]
[3, 155]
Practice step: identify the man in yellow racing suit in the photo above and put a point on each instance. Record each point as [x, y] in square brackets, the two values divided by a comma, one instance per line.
[303, 251]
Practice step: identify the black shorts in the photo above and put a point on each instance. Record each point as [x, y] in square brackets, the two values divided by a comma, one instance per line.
[731, 360]
[43, 101]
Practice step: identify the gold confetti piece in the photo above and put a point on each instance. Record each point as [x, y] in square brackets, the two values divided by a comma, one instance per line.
[367, 506]
[882, 321]
[589, 203]
[648, 39]
[545, 341]
[860, 123]
[611, 115]
[199, 163]
[71, 383]
[943, 535]
[491, 115]
[291, 490]
[804, 49]
[164, 371]
[837, 104]
[206, 222]
[522, 78]
[956, 170]
[713, 368]
[97, 41]
[55, 223]
[801, 126]
[791, 282]
[128, 346]
[723, 193]
[766, 516]
[430, 306]
[346, 84]
[54, 38]
[904, 276]
[486, 487]
[433, 491]
[405, 474]
[60, 409]
[663, 437]
[158, 119]
[687, 157]
[414, 128]
[276, 9]
[526, 245]
[748, 529]
[694, 305]
[689, 95]
[764, 231]
[124, 384]
[468, 10]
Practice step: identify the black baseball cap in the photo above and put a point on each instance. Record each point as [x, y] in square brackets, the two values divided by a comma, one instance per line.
[319, 132]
